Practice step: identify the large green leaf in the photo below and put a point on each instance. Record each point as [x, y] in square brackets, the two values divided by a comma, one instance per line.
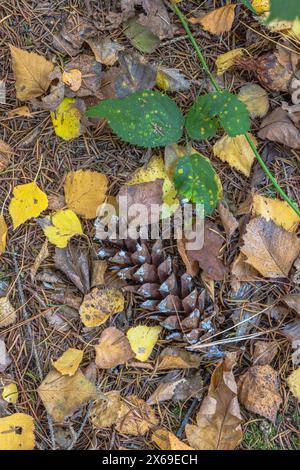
[196, 180]
[284, 10]
[214, 109]
[145, 118]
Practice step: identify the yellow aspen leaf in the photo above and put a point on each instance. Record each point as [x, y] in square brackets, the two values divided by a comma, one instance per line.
[236, 151]
[32, 73]
[85, 191]
[72, 78]
[7, 312]
[61, 226]
[278, 211]
[155, 169]
[99, 304]
[66, 119]
[142, 340]
[10, 393]
[255, 98]
[69, 362]
[62, 395]
[294, 383]
[227, 60]
[28, 201]
[17, 432]
[261, 6]
[3, 234]
[218, 21]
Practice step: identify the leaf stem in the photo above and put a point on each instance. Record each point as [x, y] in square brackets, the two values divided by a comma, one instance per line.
[217, 88]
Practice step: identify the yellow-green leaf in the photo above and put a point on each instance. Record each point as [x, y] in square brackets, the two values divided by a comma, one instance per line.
[236, 151]
[142, 340]
[66, 119]
[29, 201]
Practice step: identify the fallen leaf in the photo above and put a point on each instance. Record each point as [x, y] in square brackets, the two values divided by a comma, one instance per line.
[135, 418]
[43, 254]
[99, 305]
[28, 201]
[63, 395]
[255, 98]
[293, 301]
[5, 155]
[172, 154]
[17, 432]
[264, 352]
[166, 440]
[218, 21]
[258, 391]
[142, 340]
[105, 50]
[73, 261]
[99, 268]
[85, 191]
[218, 422]
[278, 127]
[22, 111]
[31, 73]
[113, 349]
[175, 358]
[134, 75]
[207, 257]
[164, 392]
[105, 411]
[3, 234]
[293, 381]
[60, 227]
[8, 314]
[236, 151]
[91, 75]
[69, 362]
[227, 60]
[242, 272]
[261, 6]
[228, 220]
[5, 360]
[278, 211]
[66, 120]
[71, 35]
[73, 79]
[270, 249]
[191, 266]
[10, 394]
[141, 37]
[171, 80]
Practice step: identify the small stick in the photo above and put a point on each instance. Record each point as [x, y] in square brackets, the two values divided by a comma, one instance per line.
[187, 417]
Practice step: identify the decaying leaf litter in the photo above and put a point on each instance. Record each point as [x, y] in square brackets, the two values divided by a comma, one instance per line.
[243, 345]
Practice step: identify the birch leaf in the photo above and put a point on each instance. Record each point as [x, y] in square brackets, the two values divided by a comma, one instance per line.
[142, 340]
[16, 432]
[69, 362]
[60, 227]
[28, 201]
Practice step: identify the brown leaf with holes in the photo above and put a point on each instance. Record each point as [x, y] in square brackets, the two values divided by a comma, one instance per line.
[113, 349]
[270, 249]
[99, 304]
[218, 422]
[218, 21]
[258, 391]
[278, 127]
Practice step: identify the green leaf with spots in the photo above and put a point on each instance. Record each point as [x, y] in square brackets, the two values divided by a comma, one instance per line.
[214, 109]
[196, 180]
[284, 10]
[145, 118]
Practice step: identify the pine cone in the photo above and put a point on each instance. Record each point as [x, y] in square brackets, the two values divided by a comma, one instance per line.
[155, 280]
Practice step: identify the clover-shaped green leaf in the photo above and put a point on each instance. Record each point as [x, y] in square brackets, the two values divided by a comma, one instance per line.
[214, 109]
[145, 118]
[196, 179]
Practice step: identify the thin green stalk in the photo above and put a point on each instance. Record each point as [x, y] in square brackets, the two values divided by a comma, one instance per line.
[217, 88]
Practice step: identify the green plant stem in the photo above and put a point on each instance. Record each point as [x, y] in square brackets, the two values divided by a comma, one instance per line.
[217, 88]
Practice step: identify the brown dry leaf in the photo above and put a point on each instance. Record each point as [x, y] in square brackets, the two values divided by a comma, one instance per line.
[91, 75]
[113, 349]
[166, 440]
[99, 305]
[73, 79]
[5, 360]
[22, 111]
[73, 261]
[207, 257]
[293, 301]
[105, 50]
[31, 73]
[5, 155]
[69, 362]
[242, 272]
[85, 191]
[56, 202]
[99, 268]
[3, 234]
[105, 411]
[43, 254]
[135, 75]
[270, 249]
[8, 314]
[228, 220]
[175, 358]
[218, 420]
[164, 392]
[74, 31]
[278, 127]
[63, 395]
[264, 352]
[218, 21]
[236, 151]
[255, 98]
[191, 266]
[258, 391]
[135, 418]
